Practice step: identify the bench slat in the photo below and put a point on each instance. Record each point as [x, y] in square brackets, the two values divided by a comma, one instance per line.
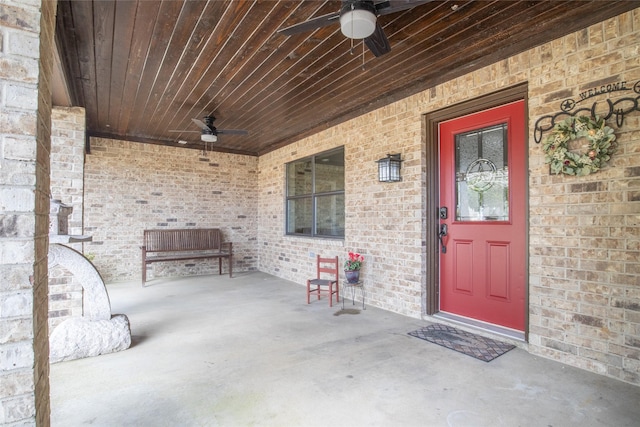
[182, 239]
[176, 256]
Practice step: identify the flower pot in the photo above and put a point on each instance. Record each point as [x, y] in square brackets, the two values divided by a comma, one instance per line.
[353, 276]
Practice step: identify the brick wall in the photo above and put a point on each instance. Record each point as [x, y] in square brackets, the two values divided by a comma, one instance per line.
[26, 36]
[130, 187]
[584, 284]
[585, 231]
[383, 220]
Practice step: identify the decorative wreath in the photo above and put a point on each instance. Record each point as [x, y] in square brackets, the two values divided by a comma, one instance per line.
[601, 146]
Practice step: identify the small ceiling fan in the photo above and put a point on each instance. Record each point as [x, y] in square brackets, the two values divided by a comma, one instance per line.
[208, 132]
[358, 20]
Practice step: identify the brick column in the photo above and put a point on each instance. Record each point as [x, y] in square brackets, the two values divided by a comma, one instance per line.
[26, 61]
[67, 185]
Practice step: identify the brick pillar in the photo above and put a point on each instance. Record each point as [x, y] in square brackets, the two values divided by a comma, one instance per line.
[26, 63]
[67, 185]
[67, 162]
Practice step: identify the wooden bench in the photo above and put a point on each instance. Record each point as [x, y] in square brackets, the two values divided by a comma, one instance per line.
[181, 244]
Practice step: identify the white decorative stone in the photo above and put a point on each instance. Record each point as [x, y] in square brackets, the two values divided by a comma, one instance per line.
[96, 332]
[79, 337]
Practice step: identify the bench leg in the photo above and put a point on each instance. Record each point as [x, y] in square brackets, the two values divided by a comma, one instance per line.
[144, 273]
[230, 265]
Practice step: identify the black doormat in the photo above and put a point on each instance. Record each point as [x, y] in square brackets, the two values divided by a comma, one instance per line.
[464, 342]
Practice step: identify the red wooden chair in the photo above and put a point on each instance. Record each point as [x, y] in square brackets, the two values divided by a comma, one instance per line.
[326, 280]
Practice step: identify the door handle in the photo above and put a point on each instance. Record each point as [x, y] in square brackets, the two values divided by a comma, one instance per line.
[443, 232]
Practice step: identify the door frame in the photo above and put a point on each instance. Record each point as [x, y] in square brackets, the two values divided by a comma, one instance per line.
[432, 186]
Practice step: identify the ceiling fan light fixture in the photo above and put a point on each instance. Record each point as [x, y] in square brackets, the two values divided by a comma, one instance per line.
[358, 20]
[208, 137]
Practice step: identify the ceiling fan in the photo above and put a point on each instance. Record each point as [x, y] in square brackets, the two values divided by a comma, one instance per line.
[208, 132]
[358, 20]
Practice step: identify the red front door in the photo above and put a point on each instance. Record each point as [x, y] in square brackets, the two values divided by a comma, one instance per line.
[483, 216]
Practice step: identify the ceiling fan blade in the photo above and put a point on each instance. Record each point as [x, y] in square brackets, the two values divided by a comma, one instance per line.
[377, 42]
[183, 131]
[393, 6]
[232, 132]
[311, 24]
[201, 124]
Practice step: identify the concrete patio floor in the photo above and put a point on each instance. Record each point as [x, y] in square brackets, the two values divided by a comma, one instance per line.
[249, 351]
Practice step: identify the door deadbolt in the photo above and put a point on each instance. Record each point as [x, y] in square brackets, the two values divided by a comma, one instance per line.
[444, 212]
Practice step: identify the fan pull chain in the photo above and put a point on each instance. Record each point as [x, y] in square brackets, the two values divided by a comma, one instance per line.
[362, 54]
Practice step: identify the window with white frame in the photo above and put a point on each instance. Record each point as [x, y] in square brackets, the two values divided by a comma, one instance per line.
[315, 195]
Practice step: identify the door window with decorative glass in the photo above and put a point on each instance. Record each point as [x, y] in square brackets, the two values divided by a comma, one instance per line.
[482, 175]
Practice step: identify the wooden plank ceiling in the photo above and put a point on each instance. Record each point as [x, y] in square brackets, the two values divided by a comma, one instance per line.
[143, 68]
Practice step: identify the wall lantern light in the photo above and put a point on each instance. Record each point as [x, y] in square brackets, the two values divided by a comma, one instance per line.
[389, 168]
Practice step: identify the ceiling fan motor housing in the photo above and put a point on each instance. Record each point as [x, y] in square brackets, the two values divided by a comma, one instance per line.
[358, 19]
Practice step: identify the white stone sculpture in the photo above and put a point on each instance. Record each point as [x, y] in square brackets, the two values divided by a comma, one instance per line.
[97, 331]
